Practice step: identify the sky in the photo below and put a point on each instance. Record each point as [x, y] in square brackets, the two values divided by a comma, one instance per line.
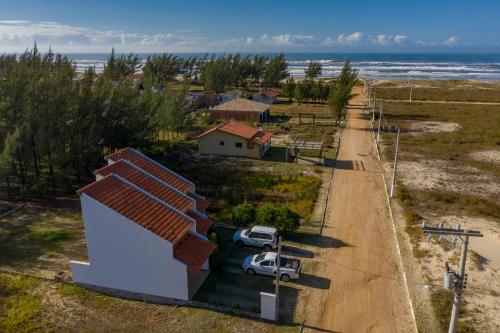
[70, 26]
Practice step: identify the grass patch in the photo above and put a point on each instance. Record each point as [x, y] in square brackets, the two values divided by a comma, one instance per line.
[228, 185]
[18, 308]
[469, 204]
[442, 301]
[286, 108]
[31, 232]
[448, 90]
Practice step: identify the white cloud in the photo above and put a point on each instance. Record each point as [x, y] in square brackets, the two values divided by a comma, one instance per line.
[384, 40]
[452, 41]
[291, 40]
[328, 41]
[16, 35]
[399, 39]
[381, 40]
[349, 39]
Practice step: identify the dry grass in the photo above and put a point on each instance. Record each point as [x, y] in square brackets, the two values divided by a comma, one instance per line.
[441, 90]
[32, 305]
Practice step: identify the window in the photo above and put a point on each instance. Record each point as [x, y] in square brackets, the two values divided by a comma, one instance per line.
[266, 236]
[221, 143]
[267, 263]
[238, 144]
[260, 257]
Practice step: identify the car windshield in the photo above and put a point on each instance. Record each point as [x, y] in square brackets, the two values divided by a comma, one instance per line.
[246, 232]
[260, 257]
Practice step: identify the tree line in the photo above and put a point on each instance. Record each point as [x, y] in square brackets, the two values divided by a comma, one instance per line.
[56, 125]
[337, 93]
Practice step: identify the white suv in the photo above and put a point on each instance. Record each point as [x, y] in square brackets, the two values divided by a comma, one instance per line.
[259, 236]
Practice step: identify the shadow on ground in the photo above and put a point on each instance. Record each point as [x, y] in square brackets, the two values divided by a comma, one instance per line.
[296, 251]
[313, 281]
[316, 240]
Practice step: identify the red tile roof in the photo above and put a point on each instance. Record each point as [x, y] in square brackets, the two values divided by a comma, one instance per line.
[152, 168]
[202, 223]
[272, 92]
[201, 204]
[193, 251]
[241, 130]
[235, 128]
[115, 193]
[263, 137]
[146, 182]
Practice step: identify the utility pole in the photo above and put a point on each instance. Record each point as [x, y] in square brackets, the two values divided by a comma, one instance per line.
[393, 185]
[453, 280]
[277, 290]
[410, 81]
[380, 120]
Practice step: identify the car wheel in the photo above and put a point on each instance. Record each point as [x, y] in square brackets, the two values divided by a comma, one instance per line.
[285, 277]
[250, 271]
[239, 243]
[267, 247]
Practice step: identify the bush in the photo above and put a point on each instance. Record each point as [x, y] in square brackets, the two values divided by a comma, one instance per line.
[216, 260]
[287, 221]
[243, 215]
[266, 214]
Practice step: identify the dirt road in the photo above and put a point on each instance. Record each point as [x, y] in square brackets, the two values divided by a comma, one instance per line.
[359, 253]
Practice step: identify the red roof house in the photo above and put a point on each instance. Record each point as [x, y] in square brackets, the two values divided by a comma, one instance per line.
[144, 236]
[232, 138]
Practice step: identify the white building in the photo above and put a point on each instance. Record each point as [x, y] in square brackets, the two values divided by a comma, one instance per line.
[145, 229]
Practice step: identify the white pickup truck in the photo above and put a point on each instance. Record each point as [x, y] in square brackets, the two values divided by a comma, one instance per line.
[265, 264]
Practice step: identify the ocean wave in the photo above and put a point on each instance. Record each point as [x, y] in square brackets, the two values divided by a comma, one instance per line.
[370, 68]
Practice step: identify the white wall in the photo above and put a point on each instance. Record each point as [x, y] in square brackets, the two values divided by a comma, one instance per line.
[124, 255]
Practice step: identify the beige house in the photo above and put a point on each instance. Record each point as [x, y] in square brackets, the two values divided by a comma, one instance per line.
[241, 109]
[235, 139]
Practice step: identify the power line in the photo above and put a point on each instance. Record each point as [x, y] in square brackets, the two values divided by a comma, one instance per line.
[454, 280]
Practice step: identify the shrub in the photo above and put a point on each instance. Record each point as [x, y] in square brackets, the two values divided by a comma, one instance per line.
[266, 214]
[287, 221]
[216, 260]
[243, 215]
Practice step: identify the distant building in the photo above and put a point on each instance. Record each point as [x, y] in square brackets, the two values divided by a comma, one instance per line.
[268, 96]
[230, 95]
[201, 99]
[241, 109]
[235, 139]
[145, 229]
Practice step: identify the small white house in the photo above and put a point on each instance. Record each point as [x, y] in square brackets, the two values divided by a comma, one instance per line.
[230, 95]
[268, 96]
[143, 234]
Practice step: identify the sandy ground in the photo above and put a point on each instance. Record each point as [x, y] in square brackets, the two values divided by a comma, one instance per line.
[481, 297]
[359, 255]
[439, 174]
[492, 156]
[418, 127]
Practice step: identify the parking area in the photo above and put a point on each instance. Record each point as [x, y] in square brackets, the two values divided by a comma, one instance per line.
[233, 287]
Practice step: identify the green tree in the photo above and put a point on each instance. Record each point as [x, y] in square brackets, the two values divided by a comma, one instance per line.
[276, 70]
[299, 93]
[340, 94]
[313, 70]
[161, 69]
[289, 88]
[243, 215]
[287, 221]
[266, 215]
[118, 67]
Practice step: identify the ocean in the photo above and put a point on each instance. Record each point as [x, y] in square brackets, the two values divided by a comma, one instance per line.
[369, 65]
